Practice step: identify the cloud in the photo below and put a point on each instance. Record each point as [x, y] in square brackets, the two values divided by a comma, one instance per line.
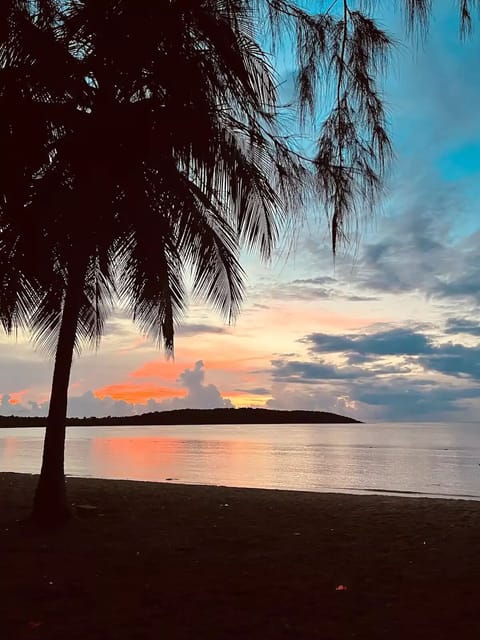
[297, 371]
[453, 360]
[444, 357]
[463, 325]
[138, 392]
[26, 408]
[391, 342]
[197, 329]
[414, 400]
[426, 246]
[85, 405]
[390, 374]
[463, 278]
[21, 367]
[428, 242]
[194, 392]
[312, 289]
[199, 395]
[301, 289]
[314, 282]
[392, 397]
[412, 252]
[88, 404]
[254, 391]
[354, 298]
[310, 399]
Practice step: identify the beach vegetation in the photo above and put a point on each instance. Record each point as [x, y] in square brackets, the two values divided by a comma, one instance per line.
[146, 146]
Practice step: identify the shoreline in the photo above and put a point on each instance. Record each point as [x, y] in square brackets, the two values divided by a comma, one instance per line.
[146, 560]
[329, 491]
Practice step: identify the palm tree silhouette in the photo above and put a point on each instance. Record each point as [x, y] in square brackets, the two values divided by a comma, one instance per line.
[160, 157]
[146, 141]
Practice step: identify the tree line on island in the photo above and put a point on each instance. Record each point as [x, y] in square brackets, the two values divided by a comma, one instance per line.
[244, 415]
[146, 146]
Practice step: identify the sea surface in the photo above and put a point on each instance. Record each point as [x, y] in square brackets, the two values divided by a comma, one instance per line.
[414, 459]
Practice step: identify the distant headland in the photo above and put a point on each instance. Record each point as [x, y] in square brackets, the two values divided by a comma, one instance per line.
[193, 416]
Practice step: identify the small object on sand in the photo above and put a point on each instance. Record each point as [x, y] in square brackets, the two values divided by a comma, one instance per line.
[86, 510]
[341, 587]
[34, 624]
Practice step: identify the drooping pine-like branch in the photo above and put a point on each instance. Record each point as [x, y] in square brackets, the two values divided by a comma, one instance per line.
[341, 54]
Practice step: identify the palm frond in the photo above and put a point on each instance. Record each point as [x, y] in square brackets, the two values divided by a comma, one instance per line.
[151, 283]
[117, 164]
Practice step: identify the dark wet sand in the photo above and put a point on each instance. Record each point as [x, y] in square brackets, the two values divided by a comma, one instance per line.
[206, 563]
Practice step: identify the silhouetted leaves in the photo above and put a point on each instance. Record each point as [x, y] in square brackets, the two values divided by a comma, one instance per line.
[146, 141]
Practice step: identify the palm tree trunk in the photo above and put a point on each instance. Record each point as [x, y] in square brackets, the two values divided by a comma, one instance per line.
[50, 506]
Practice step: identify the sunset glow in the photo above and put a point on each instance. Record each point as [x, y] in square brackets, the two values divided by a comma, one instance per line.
[388, 330]
[137, 393]
[17, 397]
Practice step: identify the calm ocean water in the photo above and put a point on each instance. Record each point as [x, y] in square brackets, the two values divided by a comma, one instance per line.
[412, 459]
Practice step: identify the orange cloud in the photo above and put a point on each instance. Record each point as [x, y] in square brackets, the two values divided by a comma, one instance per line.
[171, 370]
[141, 458]
[235, 394]
[141, 384]
[17, 396]
[138, 393]
[159, 369]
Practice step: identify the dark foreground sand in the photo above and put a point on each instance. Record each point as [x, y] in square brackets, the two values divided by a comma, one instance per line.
[190, 562]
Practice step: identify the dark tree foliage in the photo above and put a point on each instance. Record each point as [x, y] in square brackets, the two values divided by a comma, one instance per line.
[146, 145]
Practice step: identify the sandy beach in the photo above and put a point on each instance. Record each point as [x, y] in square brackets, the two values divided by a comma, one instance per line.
[147, 560]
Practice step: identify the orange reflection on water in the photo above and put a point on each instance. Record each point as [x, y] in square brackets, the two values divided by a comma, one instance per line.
[9, 447]
[202, 460]
[240, 462]
[134, 457]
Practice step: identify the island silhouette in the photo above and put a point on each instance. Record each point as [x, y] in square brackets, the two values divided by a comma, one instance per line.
[193, 416]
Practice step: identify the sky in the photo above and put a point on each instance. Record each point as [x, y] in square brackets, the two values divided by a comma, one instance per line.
[389, 331]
